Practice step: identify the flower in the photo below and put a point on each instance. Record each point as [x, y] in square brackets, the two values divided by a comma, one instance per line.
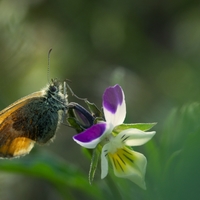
[117, 146]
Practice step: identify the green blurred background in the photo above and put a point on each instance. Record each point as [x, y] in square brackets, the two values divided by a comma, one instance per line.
[150, 48]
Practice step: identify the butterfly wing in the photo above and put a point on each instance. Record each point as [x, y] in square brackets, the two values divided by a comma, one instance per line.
[13, 142]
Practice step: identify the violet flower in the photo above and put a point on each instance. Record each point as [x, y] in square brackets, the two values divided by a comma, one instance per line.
[117, 145]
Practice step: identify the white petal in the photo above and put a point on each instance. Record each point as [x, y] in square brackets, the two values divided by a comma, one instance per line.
[104, 161]
[114, 105]
[134, 137]
[135, 170]
[139, 175]
[116, 118]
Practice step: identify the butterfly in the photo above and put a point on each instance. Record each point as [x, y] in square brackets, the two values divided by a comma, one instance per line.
[32, 119]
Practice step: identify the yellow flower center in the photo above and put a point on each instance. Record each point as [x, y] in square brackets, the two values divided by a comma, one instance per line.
[121, 159]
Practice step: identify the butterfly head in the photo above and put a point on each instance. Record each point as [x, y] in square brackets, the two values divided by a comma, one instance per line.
[56, 92]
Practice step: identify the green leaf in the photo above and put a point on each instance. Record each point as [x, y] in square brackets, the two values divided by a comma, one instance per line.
[141, 126]
[75, 124]
[93, 109]
[179, 154]
[55, 170]
[93, 166]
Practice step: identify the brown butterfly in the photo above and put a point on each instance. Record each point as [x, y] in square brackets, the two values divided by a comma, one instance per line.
[32, 119]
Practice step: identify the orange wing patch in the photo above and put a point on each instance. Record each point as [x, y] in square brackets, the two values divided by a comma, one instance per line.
[18, 147]
[12, 143]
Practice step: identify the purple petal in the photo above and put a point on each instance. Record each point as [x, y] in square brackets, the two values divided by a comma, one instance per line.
[114, 105]
[112, 98]
[91, 136]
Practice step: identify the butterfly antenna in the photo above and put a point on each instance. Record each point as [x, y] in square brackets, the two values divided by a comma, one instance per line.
[48, 69]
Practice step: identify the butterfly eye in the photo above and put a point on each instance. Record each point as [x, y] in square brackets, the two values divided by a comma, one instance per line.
[53, 88]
